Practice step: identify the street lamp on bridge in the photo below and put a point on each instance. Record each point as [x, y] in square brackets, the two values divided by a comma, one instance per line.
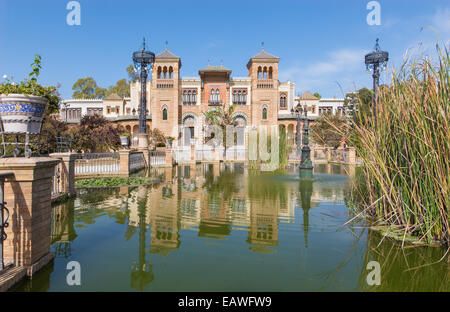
[143, 61]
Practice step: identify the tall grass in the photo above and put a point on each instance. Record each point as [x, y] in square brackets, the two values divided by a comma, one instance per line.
[406, 158]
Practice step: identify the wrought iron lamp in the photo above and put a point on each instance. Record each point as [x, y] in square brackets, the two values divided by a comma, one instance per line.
[143, 61]
[297, 113]
[374, 61]
[306, 167]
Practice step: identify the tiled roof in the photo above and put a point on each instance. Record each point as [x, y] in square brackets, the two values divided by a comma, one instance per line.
[264, 55]
[166, 54]
[308, 96]
[211, 68]
[112, 96]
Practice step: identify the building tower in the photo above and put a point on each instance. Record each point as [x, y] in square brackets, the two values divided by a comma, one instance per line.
[165, 93]
[263, 71]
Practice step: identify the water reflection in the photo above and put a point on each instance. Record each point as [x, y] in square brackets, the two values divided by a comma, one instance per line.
[406, 269]
[223, 218]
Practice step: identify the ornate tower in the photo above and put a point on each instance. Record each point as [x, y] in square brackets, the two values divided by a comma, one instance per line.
[165, 92]
[263, 71]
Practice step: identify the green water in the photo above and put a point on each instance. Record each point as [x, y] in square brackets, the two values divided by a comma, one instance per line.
[224, 228]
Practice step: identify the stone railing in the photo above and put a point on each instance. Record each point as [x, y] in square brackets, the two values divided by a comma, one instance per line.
[97, 163]
[157, 158]
[136, 161]
[327, 155]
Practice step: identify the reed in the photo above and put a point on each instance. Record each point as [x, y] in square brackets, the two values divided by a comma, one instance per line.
[406, 176]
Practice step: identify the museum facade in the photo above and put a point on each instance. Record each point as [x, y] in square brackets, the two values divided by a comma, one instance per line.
[177, 104]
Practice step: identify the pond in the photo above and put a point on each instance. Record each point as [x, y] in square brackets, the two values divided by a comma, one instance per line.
[222, 227]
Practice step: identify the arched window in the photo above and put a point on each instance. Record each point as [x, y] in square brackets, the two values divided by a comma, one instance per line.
[211, 96]
[170, 72]
[265, 73]
[165, 72]
[259, 73]
[217, 95]
[159, 72]
[164, 113]
[270, 72]
[283, 102]
[264, 113]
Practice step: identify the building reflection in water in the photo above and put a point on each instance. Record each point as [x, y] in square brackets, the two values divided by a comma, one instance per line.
[213, 199]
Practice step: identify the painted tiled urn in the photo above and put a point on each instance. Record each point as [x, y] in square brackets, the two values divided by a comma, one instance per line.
[22, 113]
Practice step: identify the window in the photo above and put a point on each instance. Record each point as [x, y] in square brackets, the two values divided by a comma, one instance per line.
[117, 109]
[214, 97]
[264, 113]
[159, 72]
[90, 111]
[189, 96]
[128, 111]
[240, 96]
[325, 110]
[270, 72]
[313, 109]
[73, 114]
[108, 110]
[164, 113]
[259, 73]
[283, 101]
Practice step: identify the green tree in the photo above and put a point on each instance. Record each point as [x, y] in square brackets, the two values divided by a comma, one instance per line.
[357, 104]
[133, 76]
[95, 134]
[156, 138]
[222, 117]
[329, 130]
[122, 88]
[51, 128]
[84, 88]
[100, 92]
[317, 95]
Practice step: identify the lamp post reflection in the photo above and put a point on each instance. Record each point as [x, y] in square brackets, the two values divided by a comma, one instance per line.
[141, 272]
[305, 189]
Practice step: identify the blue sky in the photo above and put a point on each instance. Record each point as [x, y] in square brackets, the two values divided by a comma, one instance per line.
[321, 43]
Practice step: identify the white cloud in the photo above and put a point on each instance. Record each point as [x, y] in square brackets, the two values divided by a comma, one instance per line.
[341, 67]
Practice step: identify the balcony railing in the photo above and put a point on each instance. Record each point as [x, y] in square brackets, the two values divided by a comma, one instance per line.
[164, 83]
[215, 103]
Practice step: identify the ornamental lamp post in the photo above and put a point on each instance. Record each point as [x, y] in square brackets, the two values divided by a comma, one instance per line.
[143, 61]
[374, 61]
[297, 113]
[305, 167]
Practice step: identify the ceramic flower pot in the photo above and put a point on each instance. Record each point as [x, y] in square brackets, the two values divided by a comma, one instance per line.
[21, 113]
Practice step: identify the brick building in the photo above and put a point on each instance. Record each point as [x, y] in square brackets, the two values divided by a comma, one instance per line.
[176, 104]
